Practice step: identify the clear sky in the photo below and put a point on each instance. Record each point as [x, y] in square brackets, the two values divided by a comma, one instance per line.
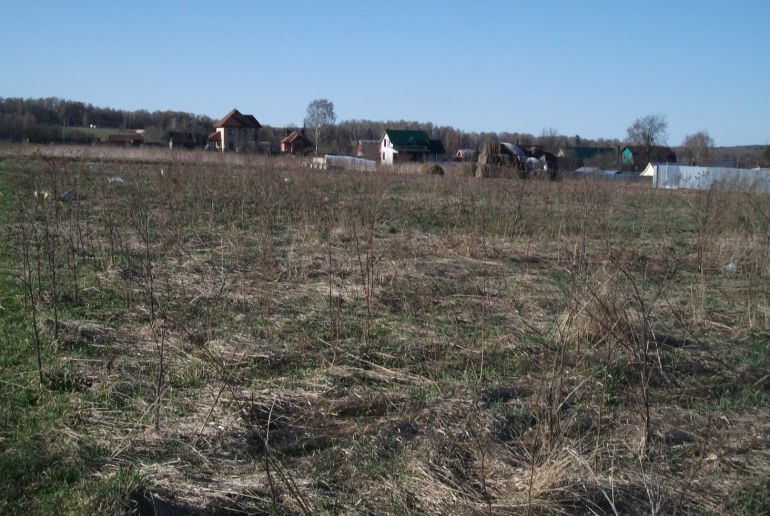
[582, 67]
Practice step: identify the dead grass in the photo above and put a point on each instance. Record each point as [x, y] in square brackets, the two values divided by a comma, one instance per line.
[399, 343]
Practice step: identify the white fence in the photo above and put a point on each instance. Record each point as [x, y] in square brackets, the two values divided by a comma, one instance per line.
[612, 177]
[673, 177]
[332, 162]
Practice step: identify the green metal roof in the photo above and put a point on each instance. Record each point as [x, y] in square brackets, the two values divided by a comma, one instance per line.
[411, 148]
[409, 141]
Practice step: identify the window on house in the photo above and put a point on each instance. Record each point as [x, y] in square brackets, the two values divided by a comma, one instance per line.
[383, 156]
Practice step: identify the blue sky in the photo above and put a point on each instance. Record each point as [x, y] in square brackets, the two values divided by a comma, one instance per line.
[586, 68]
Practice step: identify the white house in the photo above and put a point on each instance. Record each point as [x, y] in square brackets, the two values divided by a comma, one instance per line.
[235, 131]
[402, 146]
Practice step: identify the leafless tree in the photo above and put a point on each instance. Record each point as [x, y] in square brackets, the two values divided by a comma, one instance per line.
[698, 146]
[648, 131]
[550, 139]
[764, 157]
[320, 114]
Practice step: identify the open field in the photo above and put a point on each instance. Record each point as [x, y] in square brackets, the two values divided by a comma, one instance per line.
[240, 335]
[99, 133]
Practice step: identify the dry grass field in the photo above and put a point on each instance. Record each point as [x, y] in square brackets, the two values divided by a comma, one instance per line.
[234, 334]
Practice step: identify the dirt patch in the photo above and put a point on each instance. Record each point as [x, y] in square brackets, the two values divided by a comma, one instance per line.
[503, 393]
[395, 437]
[292, 426]
[83, 332]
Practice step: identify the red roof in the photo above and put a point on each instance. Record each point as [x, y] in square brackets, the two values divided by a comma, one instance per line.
[215, 137]
[237, 119]
[293, 136]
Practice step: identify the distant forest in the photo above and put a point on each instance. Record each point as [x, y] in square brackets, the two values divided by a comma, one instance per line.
[54, 120]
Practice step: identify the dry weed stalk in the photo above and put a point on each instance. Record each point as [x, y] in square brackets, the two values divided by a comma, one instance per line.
[26, 240]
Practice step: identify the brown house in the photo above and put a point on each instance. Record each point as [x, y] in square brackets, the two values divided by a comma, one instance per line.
[235, 131]
[296, 143]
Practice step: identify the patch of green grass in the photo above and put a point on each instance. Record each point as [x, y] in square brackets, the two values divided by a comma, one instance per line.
[36, 470]
[99, 133]
[756, 351]
[39, 473]
[117, 494]
[739, 398]
[754, 499]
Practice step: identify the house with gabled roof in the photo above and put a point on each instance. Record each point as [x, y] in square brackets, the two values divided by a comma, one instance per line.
[403, 146]
[296, 142]
[235, 131]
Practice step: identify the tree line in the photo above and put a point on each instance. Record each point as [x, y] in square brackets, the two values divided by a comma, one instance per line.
[42, 120]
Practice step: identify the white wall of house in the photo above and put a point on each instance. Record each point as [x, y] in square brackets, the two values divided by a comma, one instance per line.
[387, 152]
[221, 143]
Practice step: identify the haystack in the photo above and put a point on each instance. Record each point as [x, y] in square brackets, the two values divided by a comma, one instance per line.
[497, 160]
[431, 169]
